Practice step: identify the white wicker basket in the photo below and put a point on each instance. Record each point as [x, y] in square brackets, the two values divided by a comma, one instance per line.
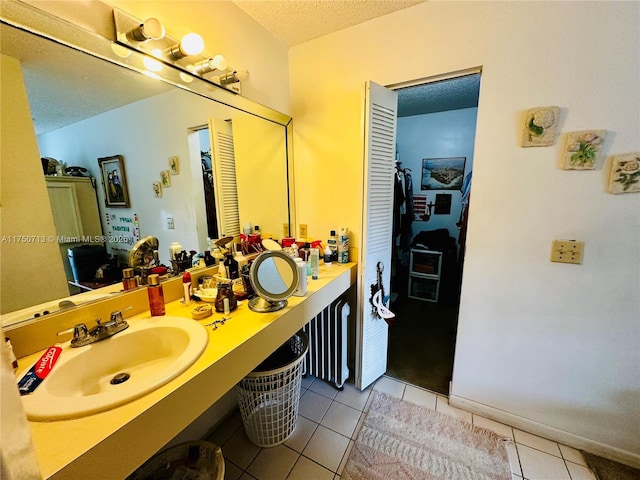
[269, 399]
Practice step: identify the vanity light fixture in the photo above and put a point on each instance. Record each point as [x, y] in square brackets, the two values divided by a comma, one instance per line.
[234, 77]
[150, 29]
[191, 44]
[209, 65]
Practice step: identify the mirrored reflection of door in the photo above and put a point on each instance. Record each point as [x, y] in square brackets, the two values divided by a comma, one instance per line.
[207, 182]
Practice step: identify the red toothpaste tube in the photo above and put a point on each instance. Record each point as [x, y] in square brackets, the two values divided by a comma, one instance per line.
[36, 374]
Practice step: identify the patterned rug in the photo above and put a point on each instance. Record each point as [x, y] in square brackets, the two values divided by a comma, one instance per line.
[400, 440]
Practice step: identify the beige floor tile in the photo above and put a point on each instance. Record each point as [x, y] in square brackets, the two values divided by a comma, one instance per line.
[538, 465]
[580, 472]
[442, 406]
[323, 388]
[514, 460]
[301, 435]
[341, 418]
[231, 472]
[572, 455]
[353, 397]
[306, 469]
[326, 447]
[239, 449]
[496, 427]
[420, 396]
[536, 442]
[313, 406]
[273, 463]
[225, 430]
[390, 386]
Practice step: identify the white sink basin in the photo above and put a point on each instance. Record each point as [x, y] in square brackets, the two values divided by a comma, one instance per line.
[148, 354]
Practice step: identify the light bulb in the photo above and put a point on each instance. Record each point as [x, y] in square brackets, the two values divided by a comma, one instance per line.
[209, 65]
[151, 63]
[191, 44]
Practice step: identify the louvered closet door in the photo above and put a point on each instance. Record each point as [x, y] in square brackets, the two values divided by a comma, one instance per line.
[380, 146]
[224, 177]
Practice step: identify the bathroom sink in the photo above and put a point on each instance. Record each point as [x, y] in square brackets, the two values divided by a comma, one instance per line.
[114, 371]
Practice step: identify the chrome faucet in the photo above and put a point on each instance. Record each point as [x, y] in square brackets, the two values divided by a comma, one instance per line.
[83, 336]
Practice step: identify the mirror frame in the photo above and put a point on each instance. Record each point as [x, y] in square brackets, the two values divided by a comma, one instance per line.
[38, 22]
[267, 301]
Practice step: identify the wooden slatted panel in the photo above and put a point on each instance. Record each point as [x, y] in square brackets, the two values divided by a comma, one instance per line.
[224, 167]
[380, 144]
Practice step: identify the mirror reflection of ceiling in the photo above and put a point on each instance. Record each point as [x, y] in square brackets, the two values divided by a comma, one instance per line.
[441, 96]
[62, 82]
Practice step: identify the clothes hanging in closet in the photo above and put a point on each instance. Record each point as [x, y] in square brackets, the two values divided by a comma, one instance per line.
[403, 208]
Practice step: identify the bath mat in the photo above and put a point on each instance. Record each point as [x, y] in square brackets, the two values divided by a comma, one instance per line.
[605, 469]
[400, 440]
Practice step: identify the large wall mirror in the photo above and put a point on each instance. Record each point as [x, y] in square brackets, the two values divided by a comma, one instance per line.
[89, 100]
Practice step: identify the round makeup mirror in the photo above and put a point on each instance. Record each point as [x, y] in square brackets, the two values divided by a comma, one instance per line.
[274, 278]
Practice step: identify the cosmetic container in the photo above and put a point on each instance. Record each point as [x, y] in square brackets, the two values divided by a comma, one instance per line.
[314, 261]
[156, 296]
[129, 281]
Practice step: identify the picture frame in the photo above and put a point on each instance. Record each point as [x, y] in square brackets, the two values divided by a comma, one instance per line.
[114, 181]
[445, 173]
[174, 165]
[165, 178]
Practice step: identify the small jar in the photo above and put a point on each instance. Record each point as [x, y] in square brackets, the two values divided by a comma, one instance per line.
[225, 292]
[129, 280]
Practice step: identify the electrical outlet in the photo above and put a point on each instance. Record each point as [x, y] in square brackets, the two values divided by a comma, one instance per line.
[170, 223]
[285, 229]
[303, 230]
[567, 251]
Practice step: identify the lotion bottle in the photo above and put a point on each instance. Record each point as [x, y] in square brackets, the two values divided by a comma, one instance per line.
[156, 296]
[301, 290]
[314, 260]
[129, 281]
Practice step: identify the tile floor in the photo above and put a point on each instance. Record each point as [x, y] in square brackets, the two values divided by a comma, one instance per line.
[328, 423]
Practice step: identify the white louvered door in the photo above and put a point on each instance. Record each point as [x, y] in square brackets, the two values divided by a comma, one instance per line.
[224, 177]
[380, 146]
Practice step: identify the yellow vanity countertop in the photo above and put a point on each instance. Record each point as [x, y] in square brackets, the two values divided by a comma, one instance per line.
[112, 444]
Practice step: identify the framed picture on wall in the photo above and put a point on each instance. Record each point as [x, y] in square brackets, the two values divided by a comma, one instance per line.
[442, 173]
[114, 181]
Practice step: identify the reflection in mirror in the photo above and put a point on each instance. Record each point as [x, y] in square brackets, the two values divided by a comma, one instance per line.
[274, 278]
[153, 126]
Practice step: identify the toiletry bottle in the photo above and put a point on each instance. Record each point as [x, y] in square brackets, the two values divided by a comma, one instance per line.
[186, 287]
[247, 228]
[231, 265]
[129, 281]
[343, 245]
[222, 270]
[156, 296]
[314, 260]
[328, 255]
[332, 241]
[301, 289]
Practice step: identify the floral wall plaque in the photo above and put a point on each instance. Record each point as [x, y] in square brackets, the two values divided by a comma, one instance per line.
[582, 150]
[540, 126]
[625, 173]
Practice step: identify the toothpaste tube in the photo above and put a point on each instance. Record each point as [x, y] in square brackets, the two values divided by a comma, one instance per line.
[36, 374]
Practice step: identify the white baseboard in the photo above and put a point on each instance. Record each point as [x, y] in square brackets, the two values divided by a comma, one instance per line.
[557, 435]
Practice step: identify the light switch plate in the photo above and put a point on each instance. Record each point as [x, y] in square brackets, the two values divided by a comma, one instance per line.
[567, 251]
[303, 230]
[170, 223]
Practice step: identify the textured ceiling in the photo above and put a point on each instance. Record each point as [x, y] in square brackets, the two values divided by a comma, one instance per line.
[440, 96]
[297, 21]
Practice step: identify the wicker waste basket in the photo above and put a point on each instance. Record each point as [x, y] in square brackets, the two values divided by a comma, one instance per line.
[269, 396]
[197, 460]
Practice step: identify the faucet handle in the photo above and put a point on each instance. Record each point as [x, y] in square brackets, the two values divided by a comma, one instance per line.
[116, 317]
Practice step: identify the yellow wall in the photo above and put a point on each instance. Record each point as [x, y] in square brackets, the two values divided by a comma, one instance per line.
[28, 245]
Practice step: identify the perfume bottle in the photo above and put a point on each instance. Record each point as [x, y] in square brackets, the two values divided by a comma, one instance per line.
[156, 296]
[129, 281]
